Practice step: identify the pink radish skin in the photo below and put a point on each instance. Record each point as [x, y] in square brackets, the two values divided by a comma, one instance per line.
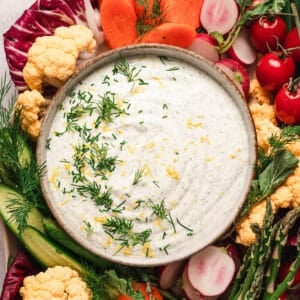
[210, 271]
[205, 45]
[169, 274]
[237, 73]
[233, 252]
[219, 15]
[242, 50]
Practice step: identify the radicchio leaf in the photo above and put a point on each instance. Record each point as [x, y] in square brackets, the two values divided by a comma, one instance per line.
[22, 266]
[41, 19]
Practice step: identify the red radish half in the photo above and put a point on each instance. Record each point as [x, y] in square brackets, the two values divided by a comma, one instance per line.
[219, 15]
[237, 73]
[210, 271]
[169, 274]
[242, 49]
[205, 45]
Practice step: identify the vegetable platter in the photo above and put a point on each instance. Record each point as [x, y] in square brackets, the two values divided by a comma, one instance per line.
[256, 45]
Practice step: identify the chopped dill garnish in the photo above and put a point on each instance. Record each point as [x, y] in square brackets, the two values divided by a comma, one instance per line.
[108, 108]
[137, 176]
[122, 67]
[121, 230]
[184, 226]
[131, 73]
[164, 59]
[165, 249]
[88, 228]
[160, 210]
[173, 69]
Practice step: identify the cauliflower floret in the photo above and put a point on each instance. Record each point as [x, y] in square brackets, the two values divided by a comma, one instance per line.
[285, 196]
[288, 194]
[245, 234]
[57, 283]
[257, 93]
[52, 59]
[32, 106]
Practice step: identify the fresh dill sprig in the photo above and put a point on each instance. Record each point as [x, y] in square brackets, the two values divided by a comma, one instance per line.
[150, 17]
[18, 166]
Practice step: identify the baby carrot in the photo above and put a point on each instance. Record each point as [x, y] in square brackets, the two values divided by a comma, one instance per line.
[180, 35]
[182, 11]
[118, 20]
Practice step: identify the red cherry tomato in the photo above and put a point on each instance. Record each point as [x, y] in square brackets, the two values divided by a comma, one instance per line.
[267, 32]
[292, 40]
[287, 104]
[274, 69]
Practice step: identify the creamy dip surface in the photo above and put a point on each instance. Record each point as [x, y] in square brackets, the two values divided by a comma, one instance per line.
[145, 157]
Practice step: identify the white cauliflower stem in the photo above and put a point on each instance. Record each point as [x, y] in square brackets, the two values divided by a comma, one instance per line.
[57, 283]
[52, 59]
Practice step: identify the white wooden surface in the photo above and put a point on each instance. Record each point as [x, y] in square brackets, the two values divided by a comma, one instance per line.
[10, 10]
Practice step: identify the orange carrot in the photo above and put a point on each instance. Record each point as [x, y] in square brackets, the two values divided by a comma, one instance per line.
[180, 35]
[118, 19]
[182, 11]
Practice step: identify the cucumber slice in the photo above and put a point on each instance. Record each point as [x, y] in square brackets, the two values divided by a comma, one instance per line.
[46, 252]
[54, 231]
[35, 218]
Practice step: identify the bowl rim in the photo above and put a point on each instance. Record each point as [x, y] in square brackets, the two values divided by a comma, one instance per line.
[141, 50]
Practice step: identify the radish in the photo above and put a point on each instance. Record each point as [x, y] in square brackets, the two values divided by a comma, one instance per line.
[205, 45]
[210, 271]
[242, 49]
[190, 292]
[237, 73]
[219, 15]
[169, 274]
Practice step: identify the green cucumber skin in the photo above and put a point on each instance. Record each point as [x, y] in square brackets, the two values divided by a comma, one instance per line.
[54, 231]
[47, 252]
[35, 218]
[33, 238]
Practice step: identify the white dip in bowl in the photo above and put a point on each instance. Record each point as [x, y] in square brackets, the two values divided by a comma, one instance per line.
[149, 154]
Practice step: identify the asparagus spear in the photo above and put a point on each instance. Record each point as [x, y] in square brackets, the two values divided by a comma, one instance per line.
[280, 241]
[251, 270]
[286, 283]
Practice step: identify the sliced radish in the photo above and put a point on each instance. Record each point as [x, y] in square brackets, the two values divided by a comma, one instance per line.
[190, 292]
[242, 49]
[219, 15]
[210, 271]
[205, 45]
[237, 73]
[169, 274]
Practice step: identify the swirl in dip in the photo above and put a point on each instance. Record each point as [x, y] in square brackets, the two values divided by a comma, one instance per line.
[146, 156]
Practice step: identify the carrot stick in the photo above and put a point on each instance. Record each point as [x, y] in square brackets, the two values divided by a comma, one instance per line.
[180, 35]
[118, 20]
[182, 11]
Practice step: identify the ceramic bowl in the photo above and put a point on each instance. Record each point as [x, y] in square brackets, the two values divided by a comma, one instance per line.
[149, 154]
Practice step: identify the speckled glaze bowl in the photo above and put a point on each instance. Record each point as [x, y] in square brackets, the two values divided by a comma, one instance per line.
[149, 153]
